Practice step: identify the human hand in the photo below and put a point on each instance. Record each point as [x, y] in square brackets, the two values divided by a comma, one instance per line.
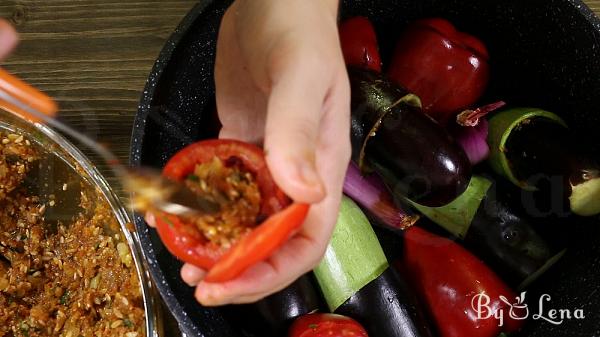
[281, 80]
[8, 38]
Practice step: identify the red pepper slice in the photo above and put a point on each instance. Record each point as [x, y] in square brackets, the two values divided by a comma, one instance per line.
[187, 243]
[448, 278]
[446, 68]
[259, 244]
[359, 43]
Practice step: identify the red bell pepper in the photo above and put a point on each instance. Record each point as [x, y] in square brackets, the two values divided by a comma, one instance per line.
[359, 43]
[187, 243]
[446, 68]
[451, 282]
[326, 325]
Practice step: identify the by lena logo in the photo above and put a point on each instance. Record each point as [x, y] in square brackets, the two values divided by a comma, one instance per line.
[519, 310]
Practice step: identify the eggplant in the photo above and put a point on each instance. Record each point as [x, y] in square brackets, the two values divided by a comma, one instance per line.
[282, 308]
[414, 155]
[499, 234]
[357, 281]
[401, 316]
[532, 147]
[273, 315]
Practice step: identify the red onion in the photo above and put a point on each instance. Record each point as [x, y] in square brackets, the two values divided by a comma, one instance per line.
[473, 139]
[370, 193]
[471, 131]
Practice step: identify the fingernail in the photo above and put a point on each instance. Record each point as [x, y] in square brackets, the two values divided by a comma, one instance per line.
[149, 218]
[192, 275]
[191, 284]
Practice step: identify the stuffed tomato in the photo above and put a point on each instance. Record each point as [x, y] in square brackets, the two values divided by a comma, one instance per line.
[254, 218]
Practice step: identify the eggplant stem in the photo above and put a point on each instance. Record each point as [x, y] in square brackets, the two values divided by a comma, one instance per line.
[471, 117]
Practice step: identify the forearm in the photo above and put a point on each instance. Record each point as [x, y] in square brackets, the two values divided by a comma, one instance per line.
[333, 6]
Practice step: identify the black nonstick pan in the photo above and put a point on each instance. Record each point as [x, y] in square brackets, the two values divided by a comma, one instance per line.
[545, 53]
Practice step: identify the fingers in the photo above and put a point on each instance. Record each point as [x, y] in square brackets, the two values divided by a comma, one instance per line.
[238, 291]
[191, 274]
[240, 104]
[296, 258]
[150, 219]
[8, 38]
[303, 252]
[333, 157]
[293, 123]
[306, 139]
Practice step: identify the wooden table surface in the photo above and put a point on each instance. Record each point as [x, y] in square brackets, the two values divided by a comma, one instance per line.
[94, 56]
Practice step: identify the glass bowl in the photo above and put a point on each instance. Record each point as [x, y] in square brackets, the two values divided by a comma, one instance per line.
[62, 164]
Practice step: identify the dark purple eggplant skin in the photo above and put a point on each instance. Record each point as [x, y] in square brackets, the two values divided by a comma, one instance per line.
[273, 315]
[507, 240]
[415, 156]
[282, 308]
[397, 311]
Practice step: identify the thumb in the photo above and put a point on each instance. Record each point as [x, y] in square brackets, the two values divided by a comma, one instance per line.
[8, 38]
[291, 133]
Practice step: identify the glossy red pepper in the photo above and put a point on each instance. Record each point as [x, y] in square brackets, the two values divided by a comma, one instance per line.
[446, 68]
[451, 281]
[283, 218]
[359, 43]
[326, 325]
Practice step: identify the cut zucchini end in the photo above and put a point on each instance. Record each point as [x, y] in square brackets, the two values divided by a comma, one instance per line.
[501, 125]
[585, 198]
[353, 258]
[456, 217]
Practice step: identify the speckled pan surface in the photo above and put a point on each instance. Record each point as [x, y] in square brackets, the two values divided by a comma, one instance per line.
[545, 53]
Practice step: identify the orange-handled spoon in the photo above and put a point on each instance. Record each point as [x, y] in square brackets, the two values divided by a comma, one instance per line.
[152, 191]
[20, 98]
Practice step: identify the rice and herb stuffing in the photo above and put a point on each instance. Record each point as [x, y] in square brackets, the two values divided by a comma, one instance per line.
[236, 192]
[67, 279]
